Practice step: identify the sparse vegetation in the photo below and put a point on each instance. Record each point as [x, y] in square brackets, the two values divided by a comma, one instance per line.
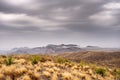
[43, 69]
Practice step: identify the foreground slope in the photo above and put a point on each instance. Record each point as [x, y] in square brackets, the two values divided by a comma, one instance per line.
[48, 68]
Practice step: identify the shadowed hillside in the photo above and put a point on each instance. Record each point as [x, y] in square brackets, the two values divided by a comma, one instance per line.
[111, 59]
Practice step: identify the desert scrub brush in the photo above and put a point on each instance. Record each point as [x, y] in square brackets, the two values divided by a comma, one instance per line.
[8, 78]
[9, 60]
[118, 74]
[20, 71]
[35, 59]
[82, 63]
[67, 76]
[20, 61]
[90, 72]
[8, 70]
[37, 75]
[76, 78]
[46, 74]
[60, 60]
[42, 59]
[87, 77]
[56, 69]
[75, 72]
[54, 76]
[26, 77]
[100, 71]
[38, 68]
[2, 76]
[49, 70]
[82, 75]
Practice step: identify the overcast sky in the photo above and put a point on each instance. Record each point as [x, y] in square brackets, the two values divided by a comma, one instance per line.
[34, 23]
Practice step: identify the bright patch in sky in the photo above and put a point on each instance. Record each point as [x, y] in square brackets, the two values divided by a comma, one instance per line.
[112, 5]
[18, 2]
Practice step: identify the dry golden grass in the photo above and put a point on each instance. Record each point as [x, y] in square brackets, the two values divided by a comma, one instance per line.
[2, 76]
[23, 69]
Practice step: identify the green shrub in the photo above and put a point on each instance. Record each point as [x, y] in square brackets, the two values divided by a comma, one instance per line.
[60, 60]
[100, 71]
[9, 60]
[118, 73]
[35, 59]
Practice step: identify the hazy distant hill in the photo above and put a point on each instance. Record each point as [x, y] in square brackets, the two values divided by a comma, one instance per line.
[3, 52]
[62, 48]
[47, 49]
[96, 48]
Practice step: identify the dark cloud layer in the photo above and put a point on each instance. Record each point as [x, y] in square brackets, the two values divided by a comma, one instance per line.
[40, 22]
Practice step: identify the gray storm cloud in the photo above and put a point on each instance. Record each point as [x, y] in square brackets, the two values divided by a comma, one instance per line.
[40, 22]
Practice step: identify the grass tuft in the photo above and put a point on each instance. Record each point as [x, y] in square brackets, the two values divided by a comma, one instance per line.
[35, 59]
[60, 60]
[100, 71]
[9, 60]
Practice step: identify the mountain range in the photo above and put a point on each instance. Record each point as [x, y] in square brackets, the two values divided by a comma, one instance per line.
[58, 49]
[51, 48]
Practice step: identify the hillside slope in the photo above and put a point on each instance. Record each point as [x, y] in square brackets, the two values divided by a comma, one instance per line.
[111, 59]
